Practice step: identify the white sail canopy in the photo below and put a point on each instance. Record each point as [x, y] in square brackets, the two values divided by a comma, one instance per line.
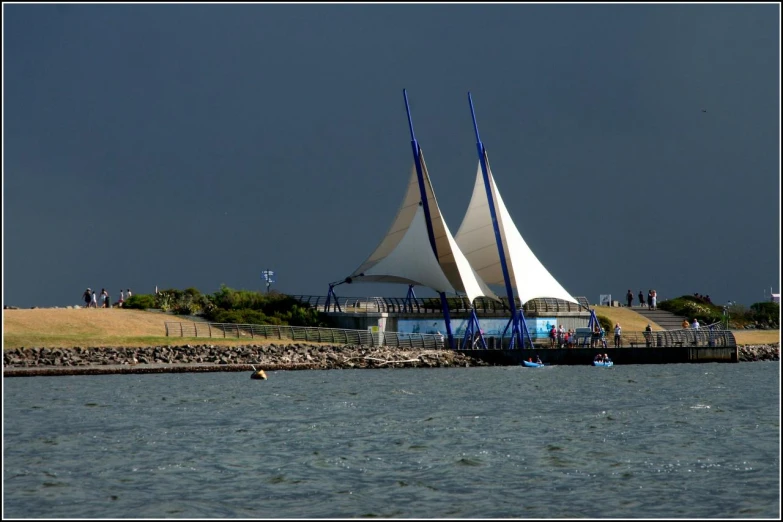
[476, 239]
[412, 260]
[405, 254]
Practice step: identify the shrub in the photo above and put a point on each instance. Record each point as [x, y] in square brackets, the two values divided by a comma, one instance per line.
[187, 306]
[230, 299]
[243, 316]
[274, 308]
[233, 306]
[765, 312]
[691, 307]
[140, 301]
[192, 302]
[605, 323]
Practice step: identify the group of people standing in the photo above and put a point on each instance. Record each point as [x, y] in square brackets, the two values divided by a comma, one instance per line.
[694, 325]
[598, 337]
[703, 298]
[561, 337]
[651, 302]
[91, 298]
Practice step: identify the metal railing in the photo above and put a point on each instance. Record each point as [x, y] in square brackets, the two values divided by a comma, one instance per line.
[303, 333]
[710, 336]
[433, 304]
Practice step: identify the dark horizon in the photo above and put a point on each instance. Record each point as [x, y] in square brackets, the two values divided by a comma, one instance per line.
[195, 145]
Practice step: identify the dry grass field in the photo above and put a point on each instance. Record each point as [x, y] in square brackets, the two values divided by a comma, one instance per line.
[50, 328]
[744, 337]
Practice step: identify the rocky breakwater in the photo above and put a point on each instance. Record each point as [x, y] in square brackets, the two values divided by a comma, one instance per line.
[759, 352]
[196, 358]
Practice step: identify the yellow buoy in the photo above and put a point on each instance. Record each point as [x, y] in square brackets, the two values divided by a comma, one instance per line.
[259, 374]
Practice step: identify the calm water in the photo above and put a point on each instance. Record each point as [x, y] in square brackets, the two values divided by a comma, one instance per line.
[654, 441]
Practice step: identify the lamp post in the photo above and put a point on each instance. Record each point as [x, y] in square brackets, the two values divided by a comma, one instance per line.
[268, 276]
[726, 313]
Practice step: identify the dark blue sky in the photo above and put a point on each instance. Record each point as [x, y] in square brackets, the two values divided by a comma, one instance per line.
[194, 145]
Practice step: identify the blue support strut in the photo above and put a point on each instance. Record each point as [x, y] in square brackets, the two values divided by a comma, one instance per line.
[427, 217]
[447, 318]
[523, 329]
[409, 300]
[516, 333]
[590, 324]
[474, 337]
[331, 295]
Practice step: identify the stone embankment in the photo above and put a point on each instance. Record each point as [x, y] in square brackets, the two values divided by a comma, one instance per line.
[210, 358]
[159, 359]
[760, 352]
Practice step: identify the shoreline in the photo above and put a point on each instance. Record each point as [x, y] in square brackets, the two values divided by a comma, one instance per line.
[27, 362]
[210, 358]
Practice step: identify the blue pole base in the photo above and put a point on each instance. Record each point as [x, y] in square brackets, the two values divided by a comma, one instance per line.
[474, 336]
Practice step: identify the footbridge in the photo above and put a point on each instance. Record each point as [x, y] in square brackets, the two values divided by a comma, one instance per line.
[428, 305]
[425, 315]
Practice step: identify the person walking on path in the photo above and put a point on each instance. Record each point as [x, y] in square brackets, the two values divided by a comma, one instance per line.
[617, 331]
[654, 298]
[94, 300]
[104, 295]
[629, 298]
[87, 296]
[649, 299]
[641, 299]
[122, 299]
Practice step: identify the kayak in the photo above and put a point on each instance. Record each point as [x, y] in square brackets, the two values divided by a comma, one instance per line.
[607, 364]
[532, 364]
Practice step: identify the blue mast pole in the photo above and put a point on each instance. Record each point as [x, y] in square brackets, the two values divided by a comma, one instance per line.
[425, 204]
[515, 329]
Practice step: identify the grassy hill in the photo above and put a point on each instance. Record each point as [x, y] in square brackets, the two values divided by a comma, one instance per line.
[47, 327]
[90, 327]
[630, 321]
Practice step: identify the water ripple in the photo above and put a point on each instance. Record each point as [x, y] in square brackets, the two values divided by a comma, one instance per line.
[686, 441]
